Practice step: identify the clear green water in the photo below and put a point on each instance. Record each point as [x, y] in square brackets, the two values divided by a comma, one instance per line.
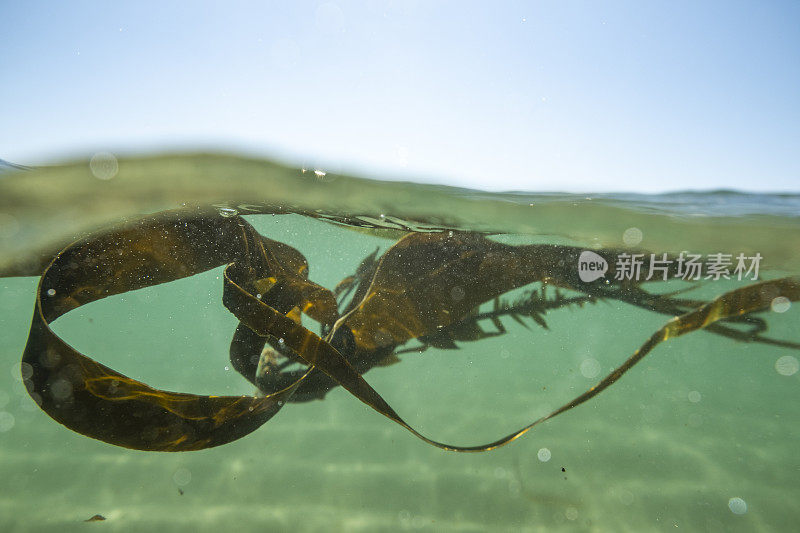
[701, 420]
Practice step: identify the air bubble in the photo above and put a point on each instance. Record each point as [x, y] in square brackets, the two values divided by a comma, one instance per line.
[182, 476]
[632, 236]
[228, 212]
[103, 165]
[737, 506]
[51, 292]
[781, 304]
[6, 421]
[590, 368]
[61, 389]
[694, 396]
[787, 365]
[544, 455]
[15, 372]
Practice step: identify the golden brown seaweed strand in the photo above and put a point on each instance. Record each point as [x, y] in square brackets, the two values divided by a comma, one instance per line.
[98, 402]
[734, 303]
[317, 352]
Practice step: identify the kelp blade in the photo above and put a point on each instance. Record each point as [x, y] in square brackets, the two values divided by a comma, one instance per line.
[103, 404]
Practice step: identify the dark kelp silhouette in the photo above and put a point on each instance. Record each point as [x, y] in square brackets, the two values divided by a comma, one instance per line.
[427, 286]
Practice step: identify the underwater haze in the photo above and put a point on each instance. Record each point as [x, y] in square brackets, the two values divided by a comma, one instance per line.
[701, 435]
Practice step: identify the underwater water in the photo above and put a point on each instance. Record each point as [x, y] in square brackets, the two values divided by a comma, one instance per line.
[701, 435]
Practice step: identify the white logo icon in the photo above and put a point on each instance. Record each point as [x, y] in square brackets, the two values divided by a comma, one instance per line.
[591, 266]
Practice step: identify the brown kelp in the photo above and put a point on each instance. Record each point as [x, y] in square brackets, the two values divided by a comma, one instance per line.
[427, 287]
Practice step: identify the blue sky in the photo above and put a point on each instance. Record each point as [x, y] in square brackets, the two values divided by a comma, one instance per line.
[570, 96]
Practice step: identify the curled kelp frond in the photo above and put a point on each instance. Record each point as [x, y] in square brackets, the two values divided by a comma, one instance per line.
[428, 288]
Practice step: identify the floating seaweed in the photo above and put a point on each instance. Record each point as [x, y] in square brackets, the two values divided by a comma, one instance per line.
[429, 287]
